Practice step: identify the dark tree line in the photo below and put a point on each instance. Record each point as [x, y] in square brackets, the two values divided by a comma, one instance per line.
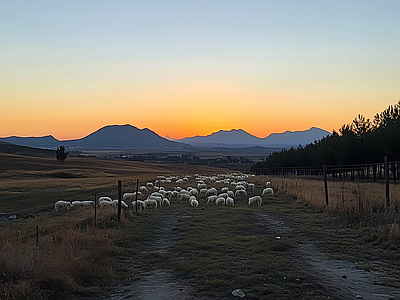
[361, 142]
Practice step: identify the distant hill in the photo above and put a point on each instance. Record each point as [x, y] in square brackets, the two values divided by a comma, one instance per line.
[239, 138]
[118, 137]
[108, 137]
[25, 151]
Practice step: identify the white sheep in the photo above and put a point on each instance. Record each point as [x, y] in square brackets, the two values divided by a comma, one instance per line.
[231, 194]
[194, 202]
[211, 198]
[184, 197]
[211, 191]
[150, 202]
[268, 184]
[87, 204]
[229, 201]
[159, 199]
[255, 200]
[220, 201]
[240, 193]
[114, 203]
[267, 191]
[62, 204]
[251, 186]
[104, 198]
[105, 203]
[129, 197]
[139, 205]
[224, 190]
[166, 202]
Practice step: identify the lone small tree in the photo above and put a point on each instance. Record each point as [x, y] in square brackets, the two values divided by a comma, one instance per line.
[61, 154]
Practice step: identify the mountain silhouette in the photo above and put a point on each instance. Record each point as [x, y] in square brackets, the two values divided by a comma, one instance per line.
[129, 137]
[108, 137]
[239, 138]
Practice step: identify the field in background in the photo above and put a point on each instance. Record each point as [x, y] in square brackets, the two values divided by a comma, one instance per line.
[48, 255]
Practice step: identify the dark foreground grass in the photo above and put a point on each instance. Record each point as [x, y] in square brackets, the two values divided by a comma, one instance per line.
[225, 249]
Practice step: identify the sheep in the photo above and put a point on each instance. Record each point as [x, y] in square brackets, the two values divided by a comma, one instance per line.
[150, 202]
[143, 189]
[267, 191]
[229, 201]
[128, 197]
[104, 198]
[87, 204]
[220, 201]
[194, 203]
[240, 187]
[268, 184]
[166, 202]
[225, 195]
[224, 190]
[240, 193]
[159, 199]
[255, 200]
[251, 186]
[184, 197]
[149, 185]
[105, 203]
[211, 191]
[211, 198]
[138, 205]
[203, 192]
[201, 186]
[114, 203]
[62, 204]
[231, 194]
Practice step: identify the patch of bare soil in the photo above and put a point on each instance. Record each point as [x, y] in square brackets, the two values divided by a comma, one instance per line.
[154, 282]
[341, 279]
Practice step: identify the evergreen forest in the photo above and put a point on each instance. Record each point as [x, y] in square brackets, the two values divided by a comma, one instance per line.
[361, 142]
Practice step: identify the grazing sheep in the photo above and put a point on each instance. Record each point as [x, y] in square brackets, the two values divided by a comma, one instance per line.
[211, 198]
[240, 193]
[87, 204]
[159, 199]
[62, 204]
[114, 203]
[267, 191]
[255, 200]
[129, 197]
[225, 195]
[194, 203]
[139, 205]
[251, 186]
[143, 189]
[105, 203]
[184, 197]
[104, 198]
[224, 190]
[229, 201]
[166, 202]
[150, 202]
[211, 191]
[231, 194]
[220, 201]
[268, 184]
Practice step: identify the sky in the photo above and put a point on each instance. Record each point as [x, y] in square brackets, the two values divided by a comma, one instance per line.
[187, 68]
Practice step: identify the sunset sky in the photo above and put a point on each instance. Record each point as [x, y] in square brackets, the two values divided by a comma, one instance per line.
[186, 68]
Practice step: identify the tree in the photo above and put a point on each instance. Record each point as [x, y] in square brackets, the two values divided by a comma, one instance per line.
[61, 154]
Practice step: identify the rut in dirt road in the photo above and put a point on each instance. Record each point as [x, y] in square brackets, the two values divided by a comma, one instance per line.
[154, 283]
[341, 278]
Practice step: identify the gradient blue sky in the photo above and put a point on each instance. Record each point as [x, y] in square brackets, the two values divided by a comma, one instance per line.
[185, 68]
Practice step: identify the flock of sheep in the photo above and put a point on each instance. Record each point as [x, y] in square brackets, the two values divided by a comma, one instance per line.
[220, 189]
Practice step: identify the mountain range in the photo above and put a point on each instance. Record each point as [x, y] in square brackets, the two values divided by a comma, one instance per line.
[130, 137]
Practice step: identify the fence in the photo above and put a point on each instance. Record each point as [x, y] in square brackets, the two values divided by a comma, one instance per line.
[378, 175]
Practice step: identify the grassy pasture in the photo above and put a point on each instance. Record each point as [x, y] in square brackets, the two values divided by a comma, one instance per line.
[360, 204]
[223, 248]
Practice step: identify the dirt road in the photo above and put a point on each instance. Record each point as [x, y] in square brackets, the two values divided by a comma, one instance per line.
[336, 279]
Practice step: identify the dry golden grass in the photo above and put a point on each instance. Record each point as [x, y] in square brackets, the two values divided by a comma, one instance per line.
[356, 203]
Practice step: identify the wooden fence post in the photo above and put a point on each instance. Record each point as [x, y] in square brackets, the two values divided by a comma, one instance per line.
[95, 209]
[119, 200]
[326, 185]
[387, 181]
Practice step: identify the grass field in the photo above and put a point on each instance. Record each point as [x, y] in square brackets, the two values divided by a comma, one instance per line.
[49, 255]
